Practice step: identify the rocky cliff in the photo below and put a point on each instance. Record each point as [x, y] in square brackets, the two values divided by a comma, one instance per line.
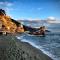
[9, 25]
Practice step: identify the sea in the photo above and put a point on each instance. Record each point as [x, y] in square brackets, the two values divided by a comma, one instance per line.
[50, 44]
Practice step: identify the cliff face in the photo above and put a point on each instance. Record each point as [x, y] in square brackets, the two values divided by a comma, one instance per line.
[8, 25]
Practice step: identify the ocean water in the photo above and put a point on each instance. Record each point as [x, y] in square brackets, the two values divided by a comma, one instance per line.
[50, 44]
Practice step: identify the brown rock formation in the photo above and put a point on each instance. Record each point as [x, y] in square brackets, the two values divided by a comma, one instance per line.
[8, 25]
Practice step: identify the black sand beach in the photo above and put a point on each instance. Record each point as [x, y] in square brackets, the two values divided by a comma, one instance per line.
[13, 49]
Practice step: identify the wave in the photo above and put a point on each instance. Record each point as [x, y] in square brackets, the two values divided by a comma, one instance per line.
[38, 47]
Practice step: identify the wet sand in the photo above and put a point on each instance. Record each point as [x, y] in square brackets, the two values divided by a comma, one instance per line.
[13, 49]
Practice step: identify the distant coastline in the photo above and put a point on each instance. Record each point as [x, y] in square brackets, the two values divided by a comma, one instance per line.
[45, 21]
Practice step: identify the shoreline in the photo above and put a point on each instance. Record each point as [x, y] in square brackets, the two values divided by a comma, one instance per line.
[38, 48]
[23, 50]
[35, 50]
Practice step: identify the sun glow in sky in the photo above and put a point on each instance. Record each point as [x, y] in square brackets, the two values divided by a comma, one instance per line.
[31, 9]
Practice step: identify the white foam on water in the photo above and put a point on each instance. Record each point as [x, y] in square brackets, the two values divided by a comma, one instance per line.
[17, 37]
[38, 47]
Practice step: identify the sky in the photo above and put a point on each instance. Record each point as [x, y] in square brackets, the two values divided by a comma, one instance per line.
[31, 9]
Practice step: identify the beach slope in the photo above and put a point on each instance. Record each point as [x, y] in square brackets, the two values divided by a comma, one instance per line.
[13, 49]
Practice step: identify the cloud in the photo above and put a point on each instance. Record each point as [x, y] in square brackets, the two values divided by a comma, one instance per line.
[8, 9]
[1, 3]
[6, 3]
[51, 18]
[39, 8]
[7, 6]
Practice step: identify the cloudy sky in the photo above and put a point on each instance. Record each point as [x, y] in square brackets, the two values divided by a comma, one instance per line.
[31, 9]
